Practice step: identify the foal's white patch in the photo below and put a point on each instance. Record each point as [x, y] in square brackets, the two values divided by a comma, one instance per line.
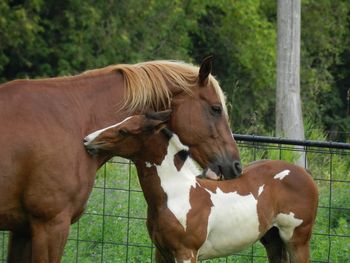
[286, 223]
[148, 164]
[233, 224]
[94, 135]
[282, 174]
[177, 184]
[261, 189]
[185, 261]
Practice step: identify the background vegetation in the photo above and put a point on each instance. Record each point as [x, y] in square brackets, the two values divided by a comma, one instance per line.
[48, 38]
[45, 38]
[113, 228]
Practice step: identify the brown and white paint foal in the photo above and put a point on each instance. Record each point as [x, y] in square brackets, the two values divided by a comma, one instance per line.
[191, 218]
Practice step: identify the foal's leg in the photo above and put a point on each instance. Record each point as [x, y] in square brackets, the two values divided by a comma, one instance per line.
[183, 256]
[164, 258]
[300, 253]
[20, 248]
[299, 245]
[186, 256]
[49, 238]
[275, 247]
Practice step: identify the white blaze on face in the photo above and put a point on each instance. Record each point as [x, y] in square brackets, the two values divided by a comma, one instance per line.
[92, 136]
[233, 224]
[282, 174]
[286, 223]
[177, 184]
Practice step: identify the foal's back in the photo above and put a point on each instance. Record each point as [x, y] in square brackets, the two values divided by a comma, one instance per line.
[270, 194]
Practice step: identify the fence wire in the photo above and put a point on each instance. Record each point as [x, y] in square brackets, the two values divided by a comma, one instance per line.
[113, 227]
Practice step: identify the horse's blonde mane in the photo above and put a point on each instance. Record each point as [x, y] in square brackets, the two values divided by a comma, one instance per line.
[147, 83]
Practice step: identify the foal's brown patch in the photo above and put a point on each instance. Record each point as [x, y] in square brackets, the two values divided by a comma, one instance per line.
[179, 159]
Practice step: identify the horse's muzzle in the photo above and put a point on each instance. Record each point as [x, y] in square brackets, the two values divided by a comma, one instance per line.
[231, 170]
[224, 169]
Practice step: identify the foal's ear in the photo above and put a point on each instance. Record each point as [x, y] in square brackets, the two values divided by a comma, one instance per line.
[157, 120]
[205, 70]
[159, 115]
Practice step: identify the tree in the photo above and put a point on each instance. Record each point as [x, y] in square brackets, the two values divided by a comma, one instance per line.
[49, 38]
[325, 64]
[243, 43]
[289, 119]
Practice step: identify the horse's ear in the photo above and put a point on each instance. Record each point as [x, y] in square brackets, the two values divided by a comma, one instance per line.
[205, 70]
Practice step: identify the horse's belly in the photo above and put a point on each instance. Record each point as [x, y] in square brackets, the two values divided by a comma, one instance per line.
[13, 219]
[232, 226]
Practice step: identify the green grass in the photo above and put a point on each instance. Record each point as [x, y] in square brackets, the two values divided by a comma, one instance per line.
[121, 235]
[113, 227]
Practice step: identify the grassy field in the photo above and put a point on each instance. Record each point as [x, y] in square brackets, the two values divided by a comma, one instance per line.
[113, 227]
[121, 235]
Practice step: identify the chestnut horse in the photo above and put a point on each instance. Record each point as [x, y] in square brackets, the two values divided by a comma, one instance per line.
[190, 218]
[46, 176]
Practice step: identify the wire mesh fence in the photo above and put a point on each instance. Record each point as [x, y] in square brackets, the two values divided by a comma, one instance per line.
[113, 227]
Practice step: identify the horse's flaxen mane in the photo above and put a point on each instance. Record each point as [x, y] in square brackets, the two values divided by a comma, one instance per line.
[147, 82]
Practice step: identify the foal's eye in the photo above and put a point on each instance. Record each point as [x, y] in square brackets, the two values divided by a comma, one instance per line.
[216, 109]
[123, 132]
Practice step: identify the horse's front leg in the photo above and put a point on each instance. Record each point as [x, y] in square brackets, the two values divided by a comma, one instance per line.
[19, 248]
[49, 238]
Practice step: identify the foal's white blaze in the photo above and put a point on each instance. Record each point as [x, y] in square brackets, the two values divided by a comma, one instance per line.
[94, 135]
[282, 174]
[177, 184]
[233, 224]
[261, 189]
[286, 224]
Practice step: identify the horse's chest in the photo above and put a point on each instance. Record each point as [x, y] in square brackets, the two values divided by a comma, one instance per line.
[233, 224]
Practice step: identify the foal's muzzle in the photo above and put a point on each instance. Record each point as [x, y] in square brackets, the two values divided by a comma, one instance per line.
[90, 148]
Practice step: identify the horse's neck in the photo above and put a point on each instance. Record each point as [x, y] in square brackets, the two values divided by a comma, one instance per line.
[104, 96]
[100, 98]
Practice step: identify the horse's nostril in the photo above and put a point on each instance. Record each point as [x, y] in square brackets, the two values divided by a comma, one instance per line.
[237, 167]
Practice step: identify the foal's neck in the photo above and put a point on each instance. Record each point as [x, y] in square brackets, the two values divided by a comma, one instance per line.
[175, 174]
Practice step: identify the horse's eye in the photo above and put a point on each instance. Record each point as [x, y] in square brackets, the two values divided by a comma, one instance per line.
[216, 109]
[123, 132]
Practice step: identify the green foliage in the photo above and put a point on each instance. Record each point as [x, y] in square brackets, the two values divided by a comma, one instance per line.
[121, 233]
[114, 228]
[49, 38]
[325, 43]
[243, 41]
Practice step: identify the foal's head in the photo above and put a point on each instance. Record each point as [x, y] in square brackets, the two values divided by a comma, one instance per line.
[134, 138]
